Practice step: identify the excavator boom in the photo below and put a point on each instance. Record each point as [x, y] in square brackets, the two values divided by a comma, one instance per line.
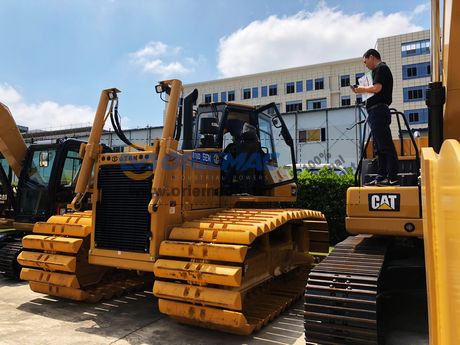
[12, 145]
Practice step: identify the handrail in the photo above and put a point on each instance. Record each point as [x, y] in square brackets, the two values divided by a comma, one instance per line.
[365, 144]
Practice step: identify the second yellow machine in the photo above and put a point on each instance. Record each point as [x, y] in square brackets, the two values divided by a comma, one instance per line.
[206, 219]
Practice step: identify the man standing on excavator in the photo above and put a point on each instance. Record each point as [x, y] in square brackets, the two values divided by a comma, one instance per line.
[379, 117]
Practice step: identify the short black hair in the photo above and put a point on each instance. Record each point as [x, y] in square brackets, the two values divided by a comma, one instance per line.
[372, 52]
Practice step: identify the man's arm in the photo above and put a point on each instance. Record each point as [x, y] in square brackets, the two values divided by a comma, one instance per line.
[376, 88]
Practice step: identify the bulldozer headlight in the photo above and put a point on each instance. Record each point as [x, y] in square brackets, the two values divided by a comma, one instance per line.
[159, 88]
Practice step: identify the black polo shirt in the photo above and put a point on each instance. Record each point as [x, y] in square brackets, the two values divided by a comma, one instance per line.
[381, 75]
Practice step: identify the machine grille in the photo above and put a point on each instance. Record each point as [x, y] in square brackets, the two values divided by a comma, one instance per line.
[122, 217]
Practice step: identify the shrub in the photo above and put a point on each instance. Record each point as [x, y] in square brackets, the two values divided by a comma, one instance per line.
[326, 192]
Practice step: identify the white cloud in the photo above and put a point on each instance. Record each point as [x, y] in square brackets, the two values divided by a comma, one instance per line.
[163, 60]
[421, 8]
[326, 34]
[46, 114]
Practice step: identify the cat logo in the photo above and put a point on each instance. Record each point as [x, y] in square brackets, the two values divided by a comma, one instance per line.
[384, 202]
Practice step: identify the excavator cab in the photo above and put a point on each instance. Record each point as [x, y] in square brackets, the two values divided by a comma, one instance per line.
[47, 180]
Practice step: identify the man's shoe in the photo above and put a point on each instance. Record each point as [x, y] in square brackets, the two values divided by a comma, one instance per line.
[387, 182]
[375, 182]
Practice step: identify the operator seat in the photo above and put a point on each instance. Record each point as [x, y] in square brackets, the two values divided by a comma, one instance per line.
[242, 165]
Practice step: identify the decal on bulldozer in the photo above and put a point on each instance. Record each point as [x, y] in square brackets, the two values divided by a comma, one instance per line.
[384, 202]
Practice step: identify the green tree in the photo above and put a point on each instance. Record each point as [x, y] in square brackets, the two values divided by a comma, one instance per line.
[326, 192]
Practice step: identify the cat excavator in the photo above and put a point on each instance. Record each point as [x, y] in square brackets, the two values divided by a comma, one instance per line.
[399, 273]
[207, 219]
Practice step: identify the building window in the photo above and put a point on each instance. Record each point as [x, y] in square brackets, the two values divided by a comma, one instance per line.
[231, 96]
[310, 85]
[246, 93]
[415, 93]
[290, 88]
[345, 100]
[215, 97]
[264, 91]
[319, 84]
[273, 90]
[223, 97]
[415, 48]
[316, 103]
[207, 98]
[359, 99]
[255, 92]
[293, 106]
[357, 76]
[312, 135]
[416, 116]
[344, 80]
[418, 70]
[299, 86]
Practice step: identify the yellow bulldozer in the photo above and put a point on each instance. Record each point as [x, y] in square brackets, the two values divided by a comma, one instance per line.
[398, 276]
[207, 219]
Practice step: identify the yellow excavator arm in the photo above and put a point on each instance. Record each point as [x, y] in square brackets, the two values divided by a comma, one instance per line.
[12, 145]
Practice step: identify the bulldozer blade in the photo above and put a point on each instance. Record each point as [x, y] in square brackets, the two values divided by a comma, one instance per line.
[53, 278]
[52, 243]
[198, 272]
[198, 295]
[206, 251]
[51, 262]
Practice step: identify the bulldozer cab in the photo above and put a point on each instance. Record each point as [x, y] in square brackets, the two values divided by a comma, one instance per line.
[47, 180]
[250, 142]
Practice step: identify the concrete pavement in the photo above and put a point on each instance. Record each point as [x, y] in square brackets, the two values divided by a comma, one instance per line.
[30, 318]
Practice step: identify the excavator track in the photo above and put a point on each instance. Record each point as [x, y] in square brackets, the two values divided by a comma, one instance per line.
[342, 291]
[236, 270]
[8, 259]
[55, 262]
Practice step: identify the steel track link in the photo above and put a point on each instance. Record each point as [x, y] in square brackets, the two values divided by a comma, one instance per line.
[341, 294]
[8, 263]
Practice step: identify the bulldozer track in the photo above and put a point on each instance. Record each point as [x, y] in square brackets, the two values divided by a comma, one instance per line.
[238, 269]
[55, 262]
[8, 259]
[341, 293]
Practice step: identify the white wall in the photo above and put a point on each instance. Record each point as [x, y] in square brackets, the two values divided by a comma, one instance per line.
[341, 145]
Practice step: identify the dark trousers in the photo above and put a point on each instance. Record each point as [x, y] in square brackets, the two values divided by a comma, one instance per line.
[379, 119]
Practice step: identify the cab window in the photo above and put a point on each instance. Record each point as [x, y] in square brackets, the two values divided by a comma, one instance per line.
[72, 165]
[41, 167]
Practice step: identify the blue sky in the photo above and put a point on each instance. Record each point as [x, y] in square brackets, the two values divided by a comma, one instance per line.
[57, 55]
